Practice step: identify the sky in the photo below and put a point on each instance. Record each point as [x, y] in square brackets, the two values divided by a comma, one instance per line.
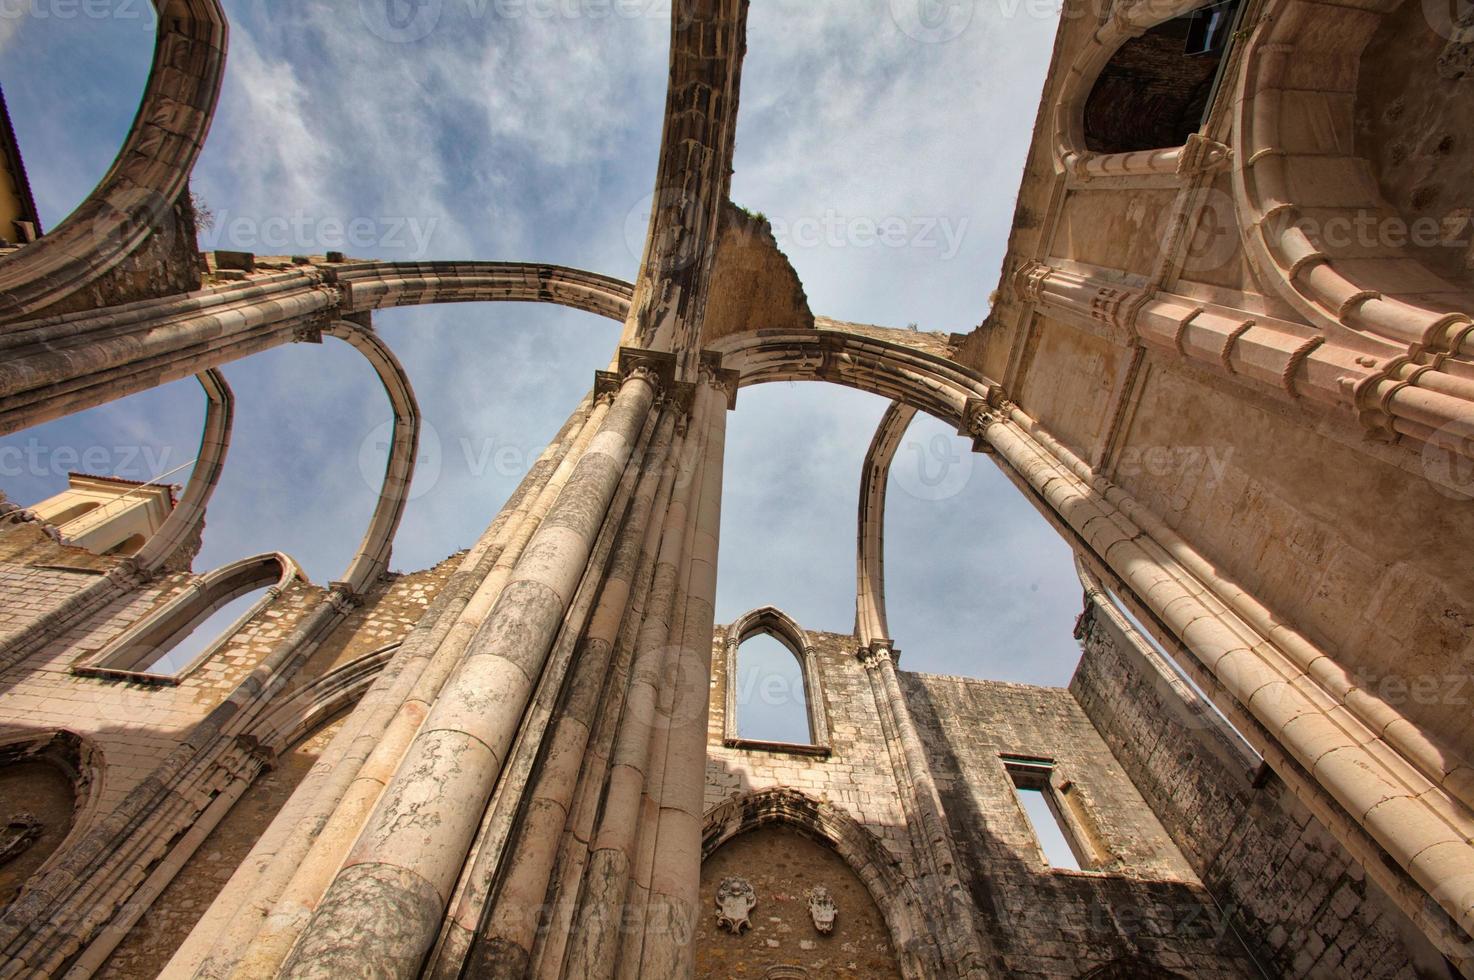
[529, 130]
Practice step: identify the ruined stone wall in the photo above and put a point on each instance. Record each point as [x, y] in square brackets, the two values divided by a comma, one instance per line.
[155, 937]
[1304, 907]
[131, 727]
[1142, 902]
[856, 777]
[38, 574]
[1141, 898]
[169, 262]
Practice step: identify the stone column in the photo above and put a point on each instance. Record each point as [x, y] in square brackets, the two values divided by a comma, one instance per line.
[597, 937]
[383, 911]
[955, 937]
[674, 883]
[505, 942]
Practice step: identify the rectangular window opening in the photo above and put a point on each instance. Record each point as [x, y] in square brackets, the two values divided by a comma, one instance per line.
[1052, 827]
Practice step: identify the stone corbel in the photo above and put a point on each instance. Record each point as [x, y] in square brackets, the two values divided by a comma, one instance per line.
[310, 330]
[343, 598]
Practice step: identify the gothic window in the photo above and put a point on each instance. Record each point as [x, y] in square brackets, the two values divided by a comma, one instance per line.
[1053, 815]
[1156, 88]
[190, 628]
[774, 699]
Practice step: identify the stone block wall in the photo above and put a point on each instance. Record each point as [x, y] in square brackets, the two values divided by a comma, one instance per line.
[1141, 902]
[1303, 906]
[856, 777]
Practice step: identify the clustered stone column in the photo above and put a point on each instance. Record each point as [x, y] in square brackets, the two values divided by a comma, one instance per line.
[938, 880]
[535, 756]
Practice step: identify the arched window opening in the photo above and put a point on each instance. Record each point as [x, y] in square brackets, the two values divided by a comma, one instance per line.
[1156, 89]
[188, 630]
[771, 701]
[48, 787]
[775, 694]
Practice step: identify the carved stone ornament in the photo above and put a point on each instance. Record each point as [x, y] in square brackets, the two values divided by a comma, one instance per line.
[735, 902]
[18, 834]
[823, 909]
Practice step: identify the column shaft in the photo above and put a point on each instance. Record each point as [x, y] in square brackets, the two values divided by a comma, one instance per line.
[383, 911]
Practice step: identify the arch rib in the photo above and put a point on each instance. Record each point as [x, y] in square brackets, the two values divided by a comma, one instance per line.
[136, 196]
[870, 618]
[372, 557]
[1277, 682]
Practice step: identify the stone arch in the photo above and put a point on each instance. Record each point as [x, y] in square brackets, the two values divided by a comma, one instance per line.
[896, 897]
[131, 654]
[871, 624]
[78, 762]
[1072, 150]
[372, 557]
[1300, 169]
[136, 197]
[1271, 678]
[773, 622]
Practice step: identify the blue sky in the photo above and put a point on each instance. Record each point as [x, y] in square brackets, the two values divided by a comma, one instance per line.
[529, 130]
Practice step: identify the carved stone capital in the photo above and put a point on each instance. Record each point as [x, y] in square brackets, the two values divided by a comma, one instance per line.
[725, 379]
[878, 653]
[1028, 281]
[606, 386]
[343, 598]
[657, 368]
[980, 413]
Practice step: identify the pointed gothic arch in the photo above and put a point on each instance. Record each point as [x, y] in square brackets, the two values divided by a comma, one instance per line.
[132, 655]
[771, 621]
[892, 891]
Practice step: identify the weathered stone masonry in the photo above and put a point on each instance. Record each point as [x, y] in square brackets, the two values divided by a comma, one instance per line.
[519, 763]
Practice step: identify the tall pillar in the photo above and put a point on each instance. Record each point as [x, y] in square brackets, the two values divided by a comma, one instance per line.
[383, 911]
